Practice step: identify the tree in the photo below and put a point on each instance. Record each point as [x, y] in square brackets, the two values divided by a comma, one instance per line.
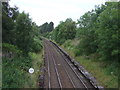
[50, 27]
[64, 31]
[86, 33]
[44, 28]
[9, 15]
[20, 39]
[24, 32]
[108, 30]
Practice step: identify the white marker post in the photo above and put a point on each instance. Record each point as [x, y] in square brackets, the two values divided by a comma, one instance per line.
[31, 70]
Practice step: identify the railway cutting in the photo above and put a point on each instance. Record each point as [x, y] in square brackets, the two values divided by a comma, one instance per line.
[61, 71]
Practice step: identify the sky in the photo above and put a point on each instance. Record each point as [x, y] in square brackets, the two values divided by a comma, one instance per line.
[42, 11]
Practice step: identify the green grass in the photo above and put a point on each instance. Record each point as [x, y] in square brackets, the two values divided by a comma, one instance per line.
[99, 69]
[106, 80]
[15, 73]
[37, 63]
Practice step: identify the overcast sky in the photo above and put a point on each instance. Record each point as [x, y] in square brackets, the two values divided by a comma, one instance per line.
[42, 11]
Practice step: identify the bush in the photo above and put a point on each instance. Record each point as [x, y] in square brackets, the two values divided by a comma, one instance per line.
[64, 31]
[10, 47]
[14, 71]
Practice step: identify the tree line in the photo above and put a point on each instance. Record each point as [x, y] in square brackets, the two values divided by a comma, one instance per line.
[98, 32]
[19, 30]
[46, 27]
[20, 38]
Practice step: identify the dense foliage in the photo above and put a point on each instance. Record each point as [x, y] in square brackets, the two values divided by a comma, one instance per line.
[107, 32]
[97, 35]
[46, 28]
[20, 37]
[26, 34]
[8, 17]
[98, 32]
[14, 72]
[64, 31]
[19, 30]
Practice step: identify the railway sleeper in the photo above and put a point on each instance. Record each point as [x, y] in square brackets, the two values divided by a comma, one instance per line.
[87, 75]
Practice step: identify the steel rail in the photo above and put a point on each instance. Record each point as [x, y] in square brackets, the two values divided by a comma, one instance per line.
[66, 72]
[48, 71]
[59, 81]
[58, 76]
[71, 68]
[69, 78]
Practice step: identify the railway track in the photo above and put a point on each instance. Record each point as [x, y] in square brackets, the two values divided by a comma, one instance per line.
[60, 71]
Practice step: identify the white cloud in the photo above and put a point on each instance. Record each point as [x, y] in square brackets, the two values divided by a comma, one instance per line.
[43, 11]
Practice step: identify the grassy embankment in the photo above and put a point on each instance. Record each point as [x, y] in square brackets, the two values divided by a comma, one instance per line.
[99, 69]
[15, 71]
[37, 63]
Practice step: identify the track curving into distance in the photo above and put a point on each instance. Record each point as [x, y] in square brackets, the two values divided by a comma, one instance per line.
[60, 72]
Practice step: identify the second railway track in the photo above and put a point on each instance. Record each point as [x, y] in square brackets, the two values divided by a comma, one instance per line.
[60, 72]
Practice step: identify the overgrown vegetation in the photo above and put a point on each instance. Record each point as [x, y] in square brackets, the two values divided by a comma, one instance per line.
[93, 40]
[37, 64]
[64, 31]
[105, 72]
[45, 28]
[20, 40]
[97, 38]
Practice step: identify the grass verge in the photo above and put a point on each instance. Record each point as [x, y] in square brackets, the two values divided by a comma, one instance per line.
[97, 69]
[37, 63]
